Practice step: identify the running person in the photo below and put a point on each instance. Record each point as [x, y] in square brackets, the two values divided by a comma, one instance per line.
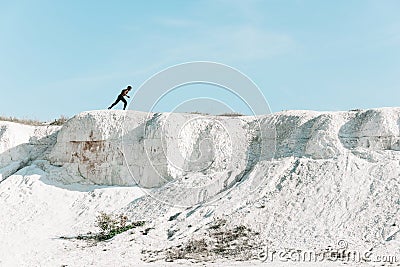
[121, 97]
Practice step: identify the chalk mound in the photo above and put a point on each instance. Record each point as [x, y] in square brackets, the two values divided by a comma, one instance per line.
[21, 144]
[302, 180]
[126, 148]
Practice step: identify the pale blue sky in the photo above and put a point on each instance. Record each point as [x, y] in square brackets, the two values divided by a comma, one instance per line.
[64, 57]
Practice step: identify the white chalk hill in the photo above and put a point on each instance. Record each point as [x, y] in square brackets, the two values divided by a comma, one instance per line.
[302, 179]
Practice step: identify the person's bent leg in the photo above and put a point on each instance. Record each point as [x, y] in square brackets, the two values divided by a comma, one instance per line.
[125, 103]
[113, 104]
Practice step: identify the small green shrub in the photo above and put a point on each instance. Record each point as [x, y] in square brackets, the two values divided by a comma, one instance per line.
[110, 225]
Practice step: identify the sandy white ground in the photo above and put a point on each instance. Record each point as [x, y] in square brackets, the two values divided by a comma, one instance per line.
[303, 180]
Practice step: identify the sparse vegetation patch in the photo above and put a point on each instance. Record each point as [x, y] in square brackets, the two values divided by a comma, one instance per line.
[232, 114]
[109, 225]
[22, 121]
[60, 121]
[219, 241]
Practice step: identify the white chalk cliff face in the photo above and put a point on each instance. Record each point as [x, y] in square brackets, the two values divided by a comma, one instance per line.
[159, 148]
[302, 179]
[20, 145]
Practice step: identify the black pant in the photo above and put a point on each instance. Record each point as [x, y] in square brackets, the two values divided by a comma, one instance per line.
[120, 98]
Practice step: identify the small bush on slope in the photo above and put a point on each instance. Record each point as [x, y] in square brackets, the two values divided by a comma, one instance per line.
[110, 225]
[60, 121]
